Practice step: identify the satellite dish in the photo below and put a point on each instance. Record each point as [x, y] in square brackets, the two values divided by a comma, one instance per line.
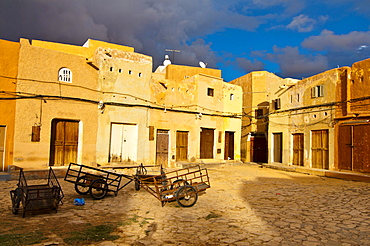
[202, 64]
[167, 60]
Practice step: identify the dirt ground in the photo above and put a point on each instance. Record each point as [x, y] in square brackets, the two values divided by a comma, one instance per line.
[246, 205]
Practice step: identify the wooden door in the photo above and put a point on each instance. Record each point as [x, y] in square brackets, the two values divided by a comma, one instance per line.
[353, 153]
[278, 147]
[345, 148]
[206, 143]
[258, 149]
[181, 146]
[229, 146]
[64, 142]
[2, 147]
[298, 148]
[162, 148]
[361, 141]
[320, 149]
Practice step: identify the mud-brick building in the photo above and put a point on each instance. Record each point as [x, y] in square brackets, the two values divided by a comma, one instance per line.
[8, 73]
[256, 107]
[353, 123]
[52, 101]
[302, 119]
[199, 119]
[100, 103]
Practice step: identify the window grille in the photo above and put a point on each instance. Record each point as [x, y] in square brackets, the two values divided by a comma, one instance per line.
[65, 75]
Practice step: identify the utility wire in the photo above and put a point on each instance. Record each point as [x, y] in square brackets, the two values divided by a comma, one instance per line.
[107, 92]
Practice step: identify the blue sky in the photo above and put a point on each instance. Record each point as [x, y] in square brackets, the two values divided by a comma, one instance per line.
[291, 38]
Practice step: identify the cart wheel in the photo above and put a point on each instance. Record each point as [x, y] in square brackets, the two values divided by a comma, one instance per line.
[178, 183]
[82, 185]
[98, 189]
[137, 184]
[186, 196]
[15, 195]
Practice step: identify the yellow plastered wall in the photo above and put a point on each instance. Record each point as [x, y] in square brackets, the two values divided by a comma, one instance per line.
[9, 52]
[179, 73]
[87, 50]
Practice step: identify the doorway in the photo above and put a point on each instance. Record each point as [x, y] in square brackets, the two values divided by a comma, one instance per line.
[181, 146]
[258, 148]
[123, 143]
[162, 147]
[353, 153]
[2, 147]
[229, 146]
[320, 149]
[206, 143]
[278, 147]
[64, 142]
[298, 146]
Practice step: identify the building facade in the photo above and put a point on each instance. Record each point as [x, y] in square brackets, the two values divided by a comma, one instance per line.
[302, 119]
[8, 73]
[100, 103]
[352, 126]
[256, 107]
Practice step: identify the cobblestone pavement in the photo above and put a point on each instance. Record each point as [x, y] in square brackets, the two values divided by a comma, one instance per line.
[246, 205]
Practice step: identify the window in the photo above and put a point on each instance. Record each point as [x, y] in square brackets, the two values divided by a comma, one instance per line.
[35, 136]
[65, 75]
[210, 92]
[317, 91]
[231, 97]
[277, 103]
[258, 113]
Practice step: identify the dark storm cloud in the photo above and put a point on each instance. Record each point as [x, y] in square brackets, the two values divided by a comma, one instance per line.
[296, 65]
[65, 21]
[150, 26]
[249, 65]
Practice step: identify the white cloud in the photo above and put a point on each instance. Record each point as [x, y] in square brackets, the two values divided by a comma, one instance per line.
[329, 41]
[304, 23]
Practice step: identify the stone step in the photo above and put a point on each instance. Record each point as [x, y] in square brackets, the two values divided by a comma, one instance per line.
[4, 176]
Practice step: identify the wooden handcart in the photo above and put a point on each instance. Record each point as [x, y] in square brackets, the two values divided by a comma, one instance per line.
[183, 185]
[96, 181]
[36, 197]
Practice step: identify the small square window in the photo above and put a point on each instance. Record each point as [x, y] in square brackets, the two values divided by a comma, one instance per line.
[317, 91]
[210, 92]
[258, 113]
[277, 103]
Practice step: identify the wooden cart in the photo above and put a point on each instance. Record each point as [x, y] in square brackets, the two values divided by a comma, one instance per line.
[36, 197]
[181, 185]
[96, 181]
